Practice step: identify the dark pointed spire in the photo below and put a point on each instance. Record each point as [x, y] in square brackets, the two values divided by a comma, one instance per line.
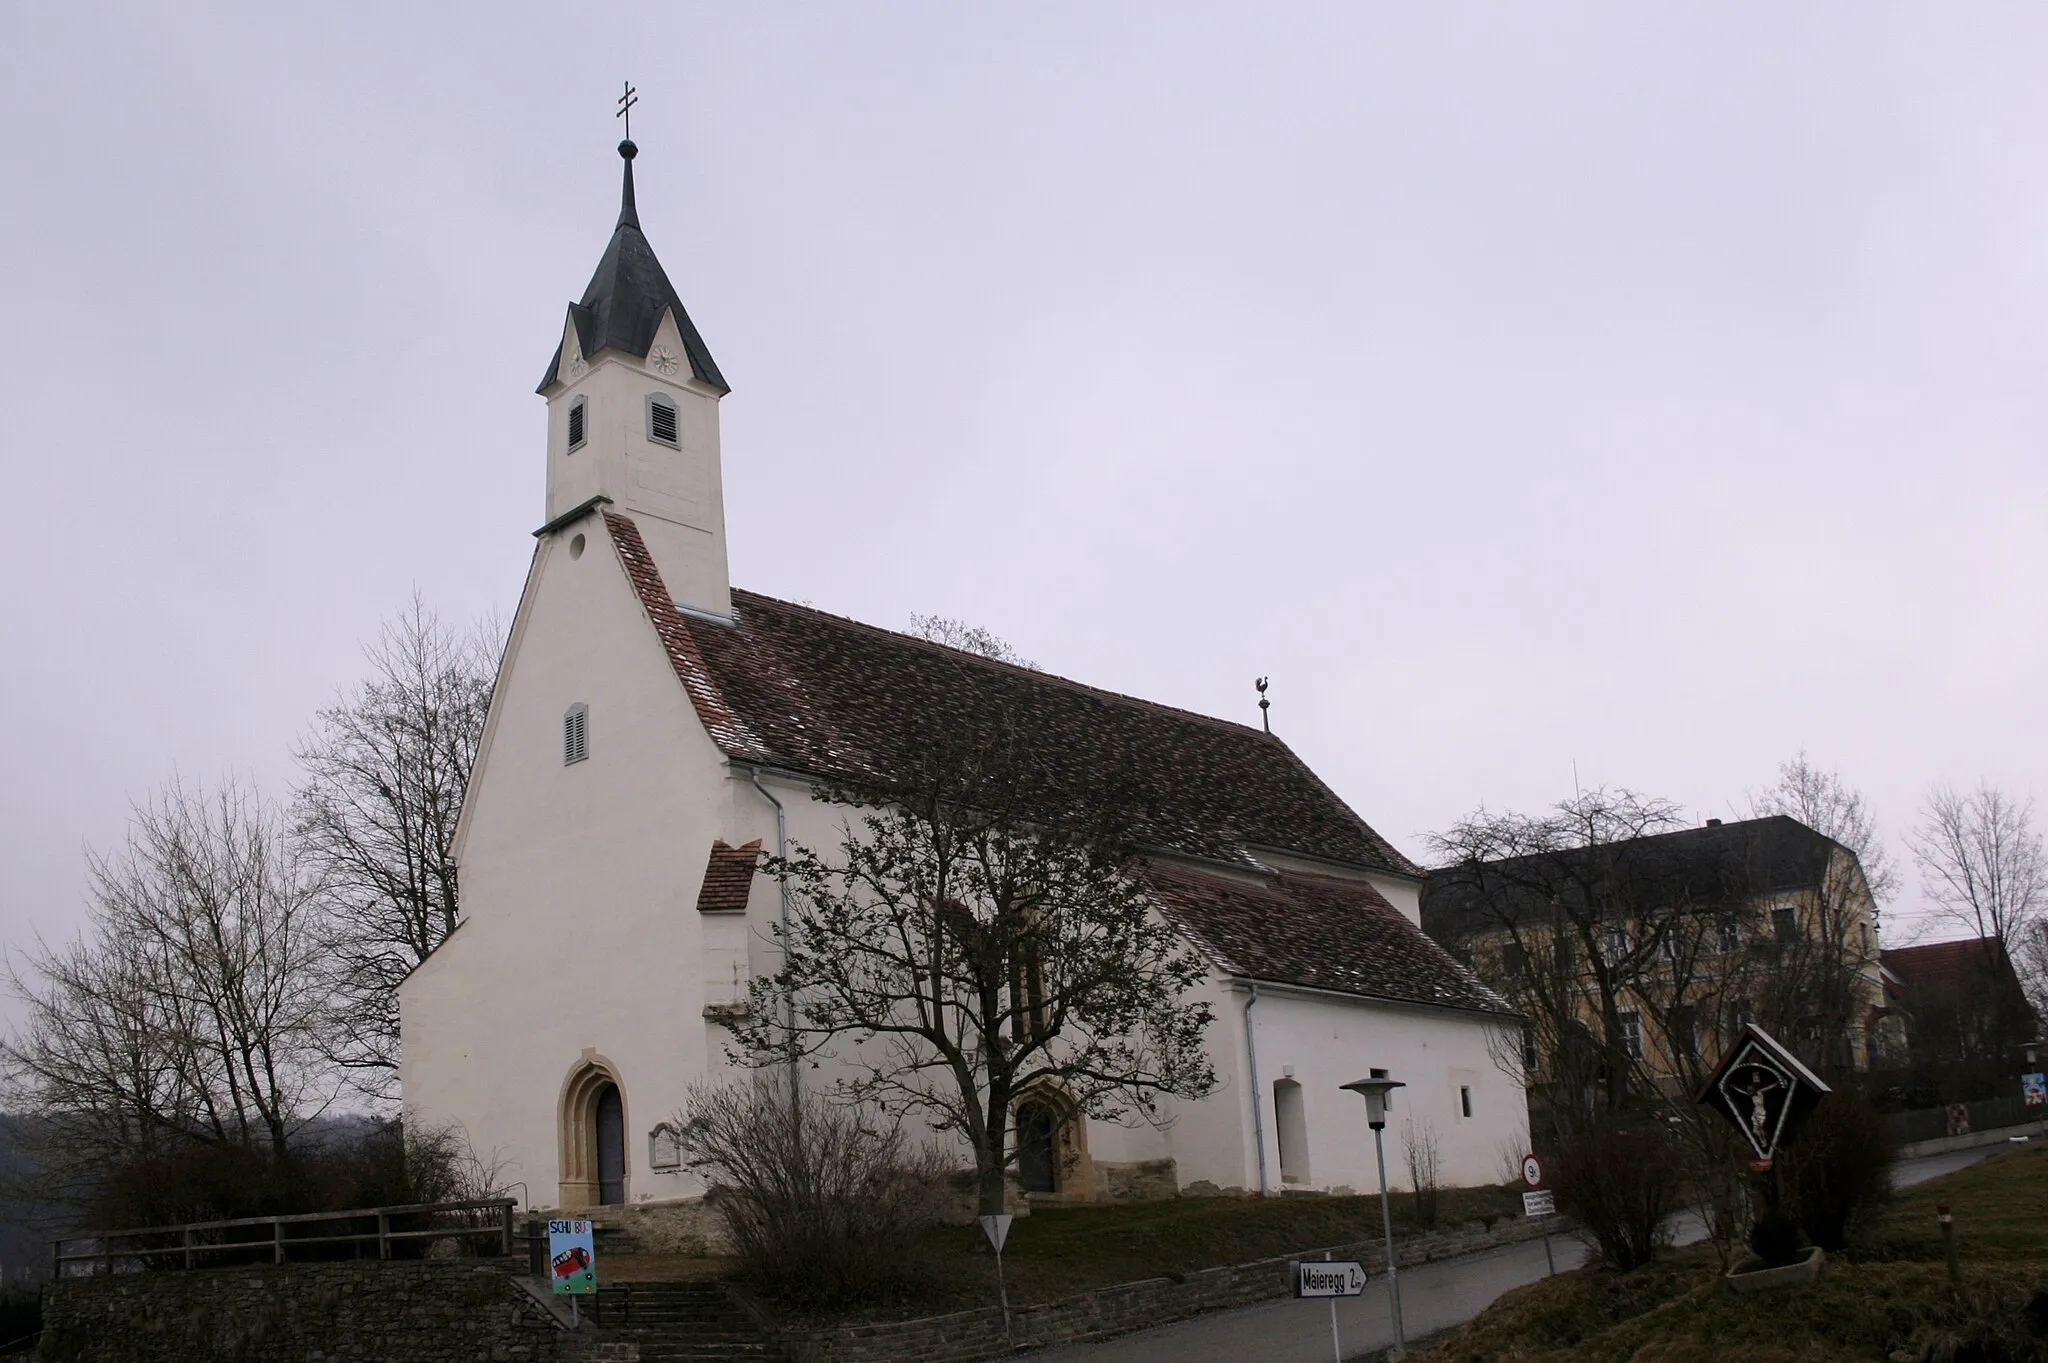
[629, 213]
[622, 307]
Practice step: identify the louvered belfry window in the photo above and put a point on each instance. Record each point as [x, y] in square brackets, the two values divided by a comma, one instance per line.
[575, 423]
[576, 734]
[661, 421]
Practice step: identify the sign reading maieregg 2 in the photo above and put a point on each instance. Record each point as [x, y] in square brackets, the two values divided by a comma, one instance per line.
[1329, 1278]
[572, 1257]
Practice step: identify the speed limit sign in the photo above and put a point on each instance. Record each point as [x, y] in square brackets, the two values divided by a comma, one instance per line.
[1532, 1171]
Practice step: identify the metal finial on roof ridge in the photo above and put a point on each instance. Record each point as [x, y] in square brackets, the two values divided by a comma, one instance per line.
[1265, 718]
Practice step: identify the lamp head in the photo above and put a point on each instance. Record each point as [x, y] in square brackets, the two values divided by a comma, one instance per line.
[1375, 1092]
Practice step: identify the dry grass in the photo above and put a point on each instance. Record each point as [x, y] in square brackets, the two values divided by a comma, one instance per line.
[1888, 1299]
[1056, 1252]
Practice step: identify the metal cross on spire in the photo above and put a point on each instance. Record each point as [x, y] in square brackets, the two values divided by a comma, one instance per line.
[626, 103]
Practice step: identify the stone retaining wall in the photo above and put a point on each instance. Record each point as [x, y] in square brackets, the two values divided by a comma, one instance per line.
[969, 1335]
[360, 1311]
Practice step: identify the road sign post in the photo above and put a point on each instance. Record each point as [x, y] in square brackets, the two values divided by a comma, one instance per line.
[1539, 1201]
[1331, 1278]
[997, 1229]
[572, 1262]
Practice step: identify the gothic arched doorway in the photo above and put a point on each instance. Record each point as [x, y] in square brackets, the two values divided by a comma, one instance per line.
[1038, 1165]
[592, 1125]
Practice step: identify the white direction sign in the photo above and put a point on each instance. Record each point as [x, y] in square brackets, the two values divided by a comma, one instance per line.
[997, 1228]
[1532, 1171]
[1329, 1278]
[1539, 1203]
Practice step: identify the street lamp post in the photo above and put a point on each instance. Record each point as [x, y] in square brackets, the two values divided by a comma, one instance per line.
[1375, 1092]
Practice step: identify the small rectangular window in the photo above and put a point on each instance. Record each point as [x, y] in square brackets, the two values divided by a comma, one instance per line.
[1531, 1056]
[575, 423]
[1514, 958]
[1465, 1100]
[1632, 1034]
[1785, 923]
[661, 422]
[1730, 928]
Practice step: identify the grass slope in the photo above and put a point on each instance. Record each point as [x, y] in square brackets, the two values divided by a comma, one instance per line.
[1058, 1251]
[1889, 1299]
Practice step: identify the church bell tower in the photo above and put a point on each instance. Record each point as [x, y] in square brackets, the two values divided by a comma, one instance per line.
[632, 397]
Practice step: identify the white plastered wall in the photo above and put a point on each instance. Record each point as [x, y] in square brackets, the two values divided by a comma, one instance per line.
[580, 930]
[1322, 1042]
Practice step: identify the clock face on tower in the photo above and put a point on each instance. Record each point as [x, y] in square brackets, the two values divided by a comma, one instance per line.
[664, 360]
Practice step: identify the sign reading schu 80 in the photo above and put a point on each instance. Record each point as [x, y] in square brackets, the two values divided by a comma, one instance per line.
[1329, 1278]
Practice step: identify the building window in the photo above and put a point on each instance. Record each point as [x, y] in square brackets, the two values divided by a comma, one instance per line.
[576, 423]
[661, 421]
[1614, 945]
[1730, 929]
[1464, 1100]
[1863, 929]
[1632, 1034]
[1785, 925]
[1290, 1128]
[1531, 1057]
[576, 734]
[1514, 958]
[1740, 1015]
[1684, 1038]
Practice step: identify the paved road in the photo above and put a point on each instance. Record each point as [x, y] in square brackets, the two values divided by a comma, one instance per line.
[1433, 1297]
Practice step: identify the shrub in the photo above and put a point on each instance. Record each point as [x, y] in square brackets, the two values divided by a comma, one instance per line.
[1838, 1169]
[816, 1195]
[1425, 1170]
[1620, 1180]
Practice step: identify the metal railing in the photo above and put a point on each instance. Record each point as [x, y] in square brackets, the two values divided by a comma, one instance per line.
[1987, 1114]
[200, 1244]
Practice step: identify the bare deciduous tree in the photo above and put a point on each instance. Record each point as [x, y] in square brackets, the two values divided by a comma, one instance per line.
[1558, 926]
[386, 768]
[1981, 862]
[192, 1008]
[1828, 805]
[976, 936]
[940, 629]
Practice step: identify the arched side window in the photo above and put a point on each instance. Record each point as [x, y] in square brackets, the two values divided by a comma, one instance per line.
[579, 423]
[576, 734]
[661, 420]
[1291, 1127]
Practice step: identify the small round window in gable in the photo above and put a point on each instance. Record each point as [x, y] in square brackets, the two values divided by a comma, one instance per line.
[576, 547]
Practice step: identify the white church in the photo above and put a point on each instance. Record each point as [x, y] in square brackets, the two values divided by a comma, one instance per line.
[654, 729]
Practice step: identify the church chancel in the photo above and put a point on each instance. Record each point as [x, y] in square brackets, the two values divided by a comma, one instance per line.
[654, 731]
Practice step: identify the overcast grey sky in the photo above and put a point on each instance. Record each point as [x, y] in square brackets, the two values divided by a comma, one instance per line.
[1647, 387]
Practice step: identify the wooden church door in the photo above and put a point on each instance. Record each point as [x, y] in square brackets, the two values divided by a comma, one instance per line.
[611, 1147]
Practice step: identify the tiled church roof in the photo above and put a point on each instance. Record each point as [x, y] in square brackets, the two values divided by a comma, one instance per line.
[728, 877]
[1320, 932]
[790, 687]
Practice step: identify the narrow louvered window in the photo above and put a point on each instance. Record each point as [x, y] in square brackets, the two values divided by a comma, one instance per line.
[576, 734]
[575, 423]
[661, 421]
